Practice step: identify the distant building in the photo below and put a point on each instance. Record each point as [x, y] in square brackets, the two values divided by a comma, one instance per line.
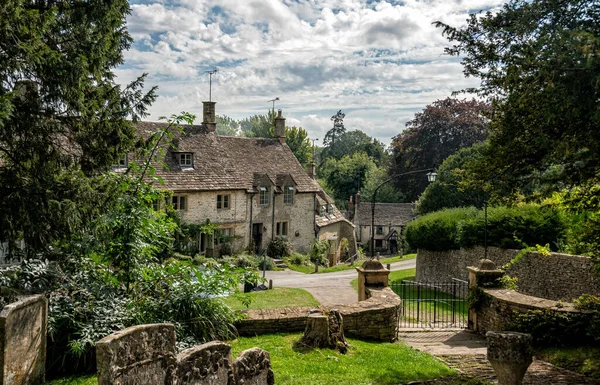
[390, 222]
[254, 189]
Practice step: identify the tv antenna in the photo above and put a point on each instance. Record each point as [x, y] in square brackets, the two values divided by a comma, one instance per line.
[210, 74]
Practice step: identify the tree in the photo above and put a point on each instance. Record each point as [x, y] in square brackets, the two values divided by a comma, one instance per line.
[539, 63]
[347, 175]
[62, 117]
[450, 188]
[337, 130]
[351, 142]
[227, 126]
[440, 130]
[298, 141]
[258, 126]
[387, 193]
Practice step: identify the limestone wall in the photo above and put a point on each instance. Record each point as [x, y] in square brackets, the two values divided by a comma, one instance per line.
[555, 276]
[23, 328]
[376, 318]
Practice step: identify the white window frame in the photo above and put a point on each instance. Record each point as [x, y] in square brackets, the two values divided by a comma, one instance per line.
[179, 202]
[322, 210]
[288, 195]
[223, 201]
[263, 196]
[122, 162]
[186, 159]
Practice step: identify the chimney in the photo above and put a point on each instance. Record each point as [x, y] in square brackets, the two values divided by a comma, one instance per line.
[350, 204]
[208, 116]
[312, 168]
[280, 127]
[357, 200]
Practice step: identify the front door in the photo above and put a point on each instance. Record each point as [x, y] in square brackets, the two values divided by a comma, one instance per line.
[257, 236]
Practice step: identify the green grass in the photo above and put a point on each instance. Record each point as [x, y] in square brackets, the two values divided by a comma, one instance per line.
[271, 299]
[584, 360]
[365, 362]
[82, 380]
[341, 267]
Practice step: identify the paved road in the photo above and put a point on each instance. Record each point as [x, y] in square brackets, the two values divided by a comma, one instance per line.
[327, 288]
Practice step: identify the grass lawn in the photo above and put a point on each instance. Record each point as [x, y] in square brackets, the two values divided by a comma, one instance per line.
[365, 362]
[271, 299]
[311, 269]
[584, 360]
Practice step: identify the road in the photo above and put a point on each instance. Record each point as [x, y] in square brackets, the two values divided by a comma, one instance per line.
[327, 288]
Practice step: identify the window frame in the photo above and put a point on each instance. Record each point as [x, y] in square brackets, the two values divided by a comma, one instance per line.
[379, 230]
[264, 196]
[282, 229]
[183, 160]
[122, 162]
[288, 194]
[322, 210]
[223, 201]
[176, 202]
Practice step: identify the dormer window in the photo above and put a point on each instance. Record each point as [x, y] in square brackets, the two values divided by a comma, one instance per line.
[288, 195]
[264, 195]
[186, 159]
[121, 162]
[322, 210]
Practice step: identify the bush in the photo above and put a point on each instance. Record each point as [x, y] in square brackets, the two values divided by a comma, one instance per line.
[264, 263]
[279, 247]
[438, 231]
[508, 227]
[298, 259]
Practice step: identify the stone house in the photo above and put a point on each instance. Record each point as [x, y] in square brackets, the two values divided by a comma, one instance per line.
[390, 222]
[253, 189]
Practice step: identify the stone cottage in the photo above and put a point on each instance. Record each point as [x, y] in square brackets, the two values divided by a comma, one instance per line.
[390, 222]
[254, 189]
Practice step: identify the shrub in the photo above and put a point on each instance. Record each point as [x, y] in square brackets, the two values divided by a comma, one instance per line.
[264, 263]
[245, 261]
[438, 231]
[279, 247]
[298, 259]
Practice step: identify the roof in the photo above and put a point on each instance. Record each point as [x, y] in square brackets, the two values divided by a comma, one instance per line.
[330, 217]
[394, 214]
[226, 162]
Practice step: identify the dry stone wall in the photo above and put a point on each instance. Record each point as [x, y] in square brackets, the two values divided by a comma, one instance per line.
[555, 276]
[23, 329]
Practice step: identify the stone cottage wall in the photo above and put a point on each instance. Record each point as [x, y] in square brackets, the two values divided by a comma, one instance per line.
[23, 329]
[555, 276]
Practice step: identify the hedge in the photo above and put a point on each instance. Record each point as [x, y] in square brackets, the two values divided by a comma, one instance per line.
[508, 227]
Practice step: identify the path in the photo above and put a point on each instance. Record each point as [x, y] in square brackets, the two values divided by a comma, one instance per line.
[466, 352]
[327, 288]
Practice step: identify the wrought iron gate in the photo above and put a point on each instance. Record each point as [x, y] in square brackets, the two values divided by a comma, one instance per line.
[433, 304]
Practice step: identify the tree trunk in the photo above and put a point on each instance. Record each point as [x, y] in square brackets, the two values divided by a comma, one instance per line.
[324, 331]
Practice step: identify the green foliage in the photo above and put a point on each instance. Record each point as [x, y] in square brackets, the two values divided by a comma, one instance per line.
[346, 176]
[450, 189]
[508, 227]
[318, 254]
[298, 259]
[264, 263]
[509, 282]
[544, 250]
[298, 141]
[258, 126]
[587, 302]
[279, 247]
[439, 230]
[538, 61]
[477, 298]
[335, 132]
[437, 132]
[386, 193]
[555, 328]
[227, 126]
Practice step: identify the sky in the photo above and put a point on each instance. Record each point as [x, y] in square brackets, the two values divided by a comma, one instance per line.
[379, 62]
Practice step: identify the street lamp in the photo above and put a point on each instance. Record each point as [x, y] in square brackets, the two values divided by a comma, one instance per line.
[431, 175]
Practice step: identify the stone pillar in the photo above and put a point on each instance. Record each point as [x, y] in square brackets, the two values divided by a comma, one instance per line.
[486, 275]
[371, 273]
[510, 354]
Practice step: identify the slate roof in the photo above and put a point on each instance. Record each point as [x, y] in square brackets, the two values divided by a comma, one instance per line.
[329, 218]
[227, 162]
[394, 214]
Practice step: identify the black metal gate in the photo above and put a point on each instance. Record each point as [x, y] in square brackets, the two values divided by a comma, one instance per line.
[433, 304]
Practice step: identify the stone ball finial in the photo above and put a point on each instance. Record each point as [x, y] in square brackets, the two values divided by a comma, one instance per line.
[372, 264]
[487, 264]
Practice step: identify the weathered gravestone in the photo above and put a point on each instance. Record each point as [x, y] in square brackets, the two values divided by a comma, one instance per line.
[253, 367]
[510, 354]
[23, 326]
[143, 354]
[206, 364]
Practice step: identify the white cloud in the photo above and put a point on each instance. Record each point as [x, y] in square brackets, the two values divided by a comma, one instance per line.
[382, 61]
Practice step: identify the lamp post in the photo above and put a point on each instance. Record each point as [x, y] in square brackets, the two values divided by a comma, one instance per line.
[431, 175]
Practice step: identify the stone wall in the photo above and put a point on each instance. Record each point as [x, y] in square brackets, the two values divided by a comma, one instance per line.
[376, 318]
[23, 328]
[555, 276]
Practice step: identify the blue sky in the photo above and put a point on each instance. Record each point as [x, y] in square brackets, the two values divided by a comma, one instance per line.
[378, 61]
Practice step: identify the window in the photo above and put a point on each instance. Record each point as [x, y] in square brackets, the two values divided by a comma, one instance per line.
[224, 235]
[330, 210]
[379, 229]
[121, 162]
[179, 202]
[322, 211]
[223, 201]
[186, 159]
[264, 195]
[288, 195]
[282, 229]
[378, 243]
